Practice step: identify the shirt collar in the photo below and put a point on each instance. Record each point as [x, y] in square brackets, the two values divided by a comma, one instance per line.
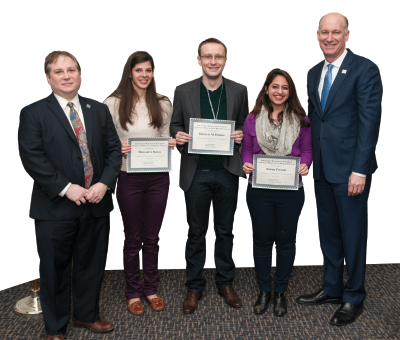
[338, 62]
[63, 102]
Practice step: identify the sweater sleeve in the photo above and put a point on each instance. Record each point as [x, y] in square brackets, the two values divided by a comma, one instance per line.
[168, 113]
[306, 145]
[247, 147]
[113, 104]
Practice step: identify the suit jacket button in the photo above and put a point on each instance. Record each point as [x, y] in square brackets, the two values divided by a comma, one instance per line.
[80, 158]
[323, 121]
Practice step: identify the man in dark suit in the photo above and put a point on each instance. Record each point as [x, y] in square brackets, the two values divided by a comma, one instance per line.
[69, 146]
[345, 94]
[206, 178]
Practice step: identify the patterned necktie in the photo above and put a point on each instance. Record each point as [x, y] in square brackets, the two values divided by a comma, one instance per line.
[83, 144]
[326, 87]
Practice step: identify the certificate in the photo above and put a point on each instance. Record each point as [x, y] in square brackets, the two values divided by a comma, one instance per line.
[149, 155]
[276, 172]
[211, 136]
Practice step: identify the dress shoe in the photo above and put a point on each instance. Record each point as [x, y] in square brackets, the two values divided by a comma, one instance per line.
[156, 303]
[54, 337]
[190, 303]
[100, 326]
[347, 313]
[136, 308]
[231, 297]
[280, 306]
[318, 298]
[260, 307]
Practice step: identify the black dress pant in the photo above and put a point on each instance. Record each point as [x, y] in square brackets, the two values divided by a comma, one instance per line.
[220, 188]
[343, 233]
[83, 241]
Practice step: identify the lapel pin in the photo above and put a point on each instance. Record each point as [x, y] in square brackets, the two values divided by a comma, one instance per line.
[88, 106]
[344, 71]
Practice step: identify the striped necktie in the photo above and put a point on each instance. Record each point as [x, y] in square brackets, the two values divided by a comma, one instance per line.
[326, 87]
[80, 134]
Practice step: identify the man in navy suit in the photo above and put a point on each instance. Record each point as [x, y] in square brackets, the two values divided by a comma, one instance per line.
[69, 146]
[344, 107]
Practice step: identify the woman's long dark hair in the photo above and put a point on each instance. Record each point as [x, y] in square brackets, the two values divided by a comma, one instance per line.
[293, 102]
[129, 97]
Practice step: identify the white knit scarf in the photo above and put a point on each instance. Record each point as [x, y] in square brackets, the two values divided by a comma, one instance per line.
[270, 140]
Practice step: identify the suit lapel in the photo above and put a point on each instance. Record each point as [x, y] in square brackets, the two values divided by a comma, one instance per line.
[230, 100]
[340, 77]
[195, 97]
[55, 107]
[87, 116]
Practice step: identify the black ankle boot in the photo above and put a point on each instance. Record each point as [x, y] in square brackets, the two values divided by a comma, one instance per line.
[262, 302]
[280, 306]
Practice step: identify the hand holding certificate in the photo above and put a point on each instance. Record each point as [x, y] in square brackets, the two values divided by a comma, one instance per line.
[276, 172]
[149, 155]
[211, 136]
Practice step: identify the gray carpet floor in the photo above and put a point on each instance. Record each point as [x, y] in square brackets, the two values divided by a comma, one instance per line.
[216, 320]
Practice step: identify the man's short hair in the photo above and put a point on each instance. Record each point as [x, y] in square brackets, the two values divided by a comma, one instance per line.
[53, 56]
[346, 23]
[211, 40]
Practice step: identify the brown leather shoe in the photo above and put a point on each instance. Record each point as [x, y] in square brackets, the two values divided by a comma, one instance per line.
[190, 303]
[136, 308]
[231, 297]
[54, 337]
[100, 326]
[156, 303]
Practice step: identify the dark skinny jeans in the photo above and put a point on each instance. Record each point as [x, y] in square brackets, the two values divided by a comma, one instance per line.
[142, 199]
[274, 215]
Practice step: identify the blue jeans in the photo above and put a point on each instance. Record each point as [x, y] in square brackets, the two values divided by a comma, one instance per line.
[220, 187]
[274, 216]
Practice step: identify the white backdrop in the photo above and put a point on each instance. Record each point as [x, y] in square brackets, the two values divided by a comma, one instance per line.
[260, 36]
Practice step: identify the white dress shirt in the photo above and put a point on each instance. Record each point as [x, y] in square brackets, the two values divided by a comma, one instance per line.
[77, 106]
[335, 69]
[64, 105]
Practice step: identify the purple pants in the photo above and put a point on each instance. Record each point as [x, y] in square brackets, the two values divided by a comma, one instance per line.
[142, 199]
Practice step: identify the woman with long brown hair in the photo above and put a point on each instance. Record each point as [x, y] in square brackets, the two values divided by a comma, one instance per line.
[139, 111]
[277, 126]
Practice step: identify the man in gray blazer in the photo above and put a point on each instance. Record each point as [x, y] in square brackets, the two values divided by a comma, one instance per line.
[209, 178]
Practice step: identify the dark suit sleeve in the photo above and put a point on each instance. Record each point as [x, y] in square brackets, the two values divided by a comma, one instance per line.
[310, 109]
[244, 111]
[113, 155]
[310, 105]
[177, 123]
[34, 159]
[369, 97]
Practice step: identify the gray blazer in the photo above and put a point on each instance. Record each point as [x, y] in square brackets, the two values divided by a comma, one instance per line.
[187, 105]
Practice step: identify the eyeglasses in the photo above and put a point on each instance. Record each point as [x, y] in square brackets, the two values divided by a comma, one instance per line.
[210, 57]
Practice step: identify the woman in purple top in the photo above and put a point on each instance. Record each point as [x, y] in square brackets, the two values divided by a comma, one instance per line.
[277, 126]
